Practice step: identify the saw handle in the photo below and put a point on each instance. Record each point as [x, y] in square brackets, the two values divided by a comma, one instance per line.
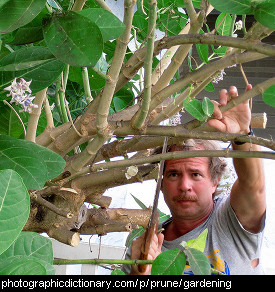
[148, 239]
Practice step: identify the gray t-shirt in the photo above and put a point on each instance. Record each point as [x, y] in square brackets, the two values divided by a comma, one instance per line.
[229, 247]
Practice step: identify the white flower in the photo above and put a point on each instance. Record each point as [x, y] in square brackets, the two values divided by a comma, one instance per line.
[239, 25]
[27, 104]
[219, 77]
[175, 119]
[131, 171]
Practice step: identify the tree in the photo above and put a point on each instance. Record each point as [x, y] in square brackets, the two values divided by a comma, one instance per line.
[109, 100]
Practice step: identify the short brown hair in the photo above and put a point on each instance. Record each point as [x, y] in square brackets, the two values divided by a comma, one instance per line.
[217, 165]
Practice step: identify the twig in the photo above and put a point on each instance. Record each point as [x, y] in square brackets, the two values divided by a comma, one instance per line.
[199, 75]
[103, 5]
[183, 154]
[246, 82]
[244, 75]
[48, 113]
[87, 154]
[62, 100]
[195, 25]
[101, 261]
[38, 199]
[78, 5]
[72, 122]
[35, 115]
[121, 47]
[8, 104]
[142, 114]
[86, 84]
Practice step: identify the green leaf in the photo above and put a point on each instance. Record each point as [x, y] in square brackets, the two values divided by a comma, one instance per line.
[22, 266]
[32, 245]
[194, 107]
[34, 163]
[134, 234]
[42, 75]
[110, 26]
[170, 262]
[73, 39]
[14, 207]
[25, 58]
[210, 87]
[198, 261]
[207, 106]
[269, 96]
[224, 26]
[123, 98]
[141, 205]
[53, 161]
[32, 32]
[265, 13]
[95, 80]
[10, 124]
[199, 242]
[117, 272]
[17, 13]
[141, 25]
[27, 35]
[203, 52]
[197, 3]
[163, 217]
[233, 6]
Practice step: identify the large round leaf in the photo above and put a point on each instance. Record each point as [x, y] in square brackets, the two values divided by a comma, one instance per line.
[73, 39]
[233, 6]
[110, 26]
[14, 207]
[22, 266]
[265, 14]
[25, 58]
[33, 63]
[269, 96]
[35, 164]
[31, 245]
[17, 13]
[170, 262]
[198, 261]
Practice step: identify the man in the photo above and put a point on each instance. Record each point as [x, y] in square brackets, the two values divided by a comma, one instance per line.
[235, 223]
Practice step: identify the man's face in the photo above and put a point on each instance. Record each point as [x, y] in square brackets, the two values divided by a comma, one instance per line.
[187, 188]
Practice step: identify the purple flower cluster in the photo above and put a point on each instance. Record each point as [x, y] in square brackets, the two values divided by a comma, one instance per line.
[20, 93]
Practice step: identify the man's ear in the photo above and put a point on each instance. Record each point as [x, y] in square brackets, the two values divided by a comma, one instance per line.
[216, 183]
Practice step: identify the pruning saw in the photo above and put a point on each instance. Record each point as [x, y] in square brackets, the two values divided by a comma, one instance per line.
[154, 219]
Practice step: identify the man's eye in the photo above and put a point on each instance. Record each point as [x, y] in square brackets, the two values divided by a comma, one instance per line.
[196, 174]
[173, 174]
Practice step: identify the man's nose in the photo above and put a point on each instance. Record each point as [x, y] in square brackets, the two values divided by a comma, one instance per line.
[185, 184]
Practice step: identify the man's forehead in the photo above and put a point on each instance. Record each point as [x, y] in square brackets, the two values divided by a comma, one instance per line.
[198, 162]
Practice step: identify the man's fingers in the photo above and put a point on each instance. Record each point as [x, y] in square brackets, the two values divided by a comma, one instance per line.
[217, 112]
[248, 87]
[160, 240]
[233, 91]
[224, 97]
[220, 126]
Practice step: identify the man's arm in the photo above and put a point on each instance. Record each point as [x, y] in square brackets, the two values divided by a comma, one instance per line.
[248, 192]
